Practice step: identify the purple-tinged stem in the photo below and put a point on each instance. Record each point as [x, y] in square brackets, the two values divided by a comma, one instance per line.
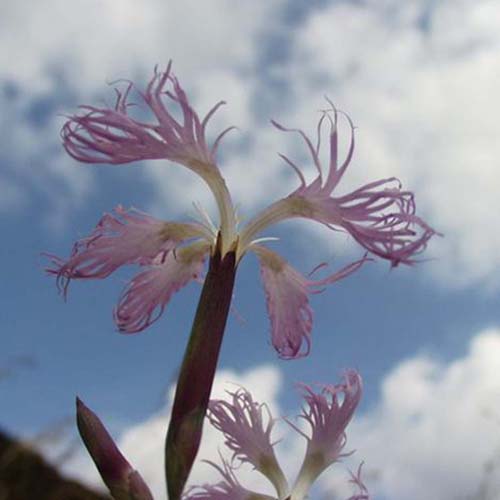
[198, 370]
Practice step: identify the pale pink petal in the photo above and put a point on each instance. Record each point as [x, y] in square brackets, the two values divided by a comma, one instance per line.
[380, 216]
[328, 413]
[148, 293]
[381, 220]
[247, 425]
[362, 493]
[122, 237]
[287, 297]
[227, 489]
[103, 135]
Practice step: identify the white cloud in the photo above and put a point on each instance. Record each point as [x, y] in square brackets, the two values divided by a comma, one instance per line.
[96, 40]
[34, 166]
[74, 51]
[11, 195]
[420, 79]
[434, 431]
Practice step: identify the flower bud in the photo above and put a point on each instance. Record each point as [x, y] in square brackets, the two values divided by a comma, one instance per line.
[123, 482]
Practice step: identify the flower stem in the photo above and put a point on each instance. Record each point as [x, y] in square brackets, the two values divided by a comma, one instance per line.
[197, 371]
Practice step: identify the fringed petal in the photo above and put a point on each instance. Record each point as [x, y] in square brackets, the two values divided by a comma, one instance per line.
[148, 293]
[122, 237]
[380, 216]
[362, 493]
[103, 135]
[328, 416]
[381, 219]
[287, 295]
[247, 427]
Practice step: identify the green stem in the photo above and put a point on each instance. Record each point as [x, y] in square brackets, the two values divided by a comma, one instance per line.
[197, 371]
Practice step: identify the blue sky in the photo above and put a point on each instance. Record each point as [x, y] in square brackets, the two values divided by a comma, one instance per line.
[419, 79]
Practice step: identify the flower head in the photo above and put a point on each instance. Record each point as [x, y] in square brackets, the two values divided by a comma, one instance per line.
[380, 216]
[247, 427]
[328, 413]
[248, 436]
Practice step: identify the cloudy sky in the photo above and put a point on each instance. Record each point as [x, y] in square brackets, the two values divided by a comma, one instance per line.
[419, 79]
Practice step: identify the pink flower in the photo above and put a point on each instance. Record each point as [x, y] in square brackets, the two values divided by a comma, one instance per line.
[247, 431]
[380, 216]
[247, 427]
[328, 416]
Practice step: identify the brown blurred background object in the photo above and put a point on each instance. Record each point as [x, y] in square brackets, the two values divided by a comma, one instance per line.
[25, 475]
